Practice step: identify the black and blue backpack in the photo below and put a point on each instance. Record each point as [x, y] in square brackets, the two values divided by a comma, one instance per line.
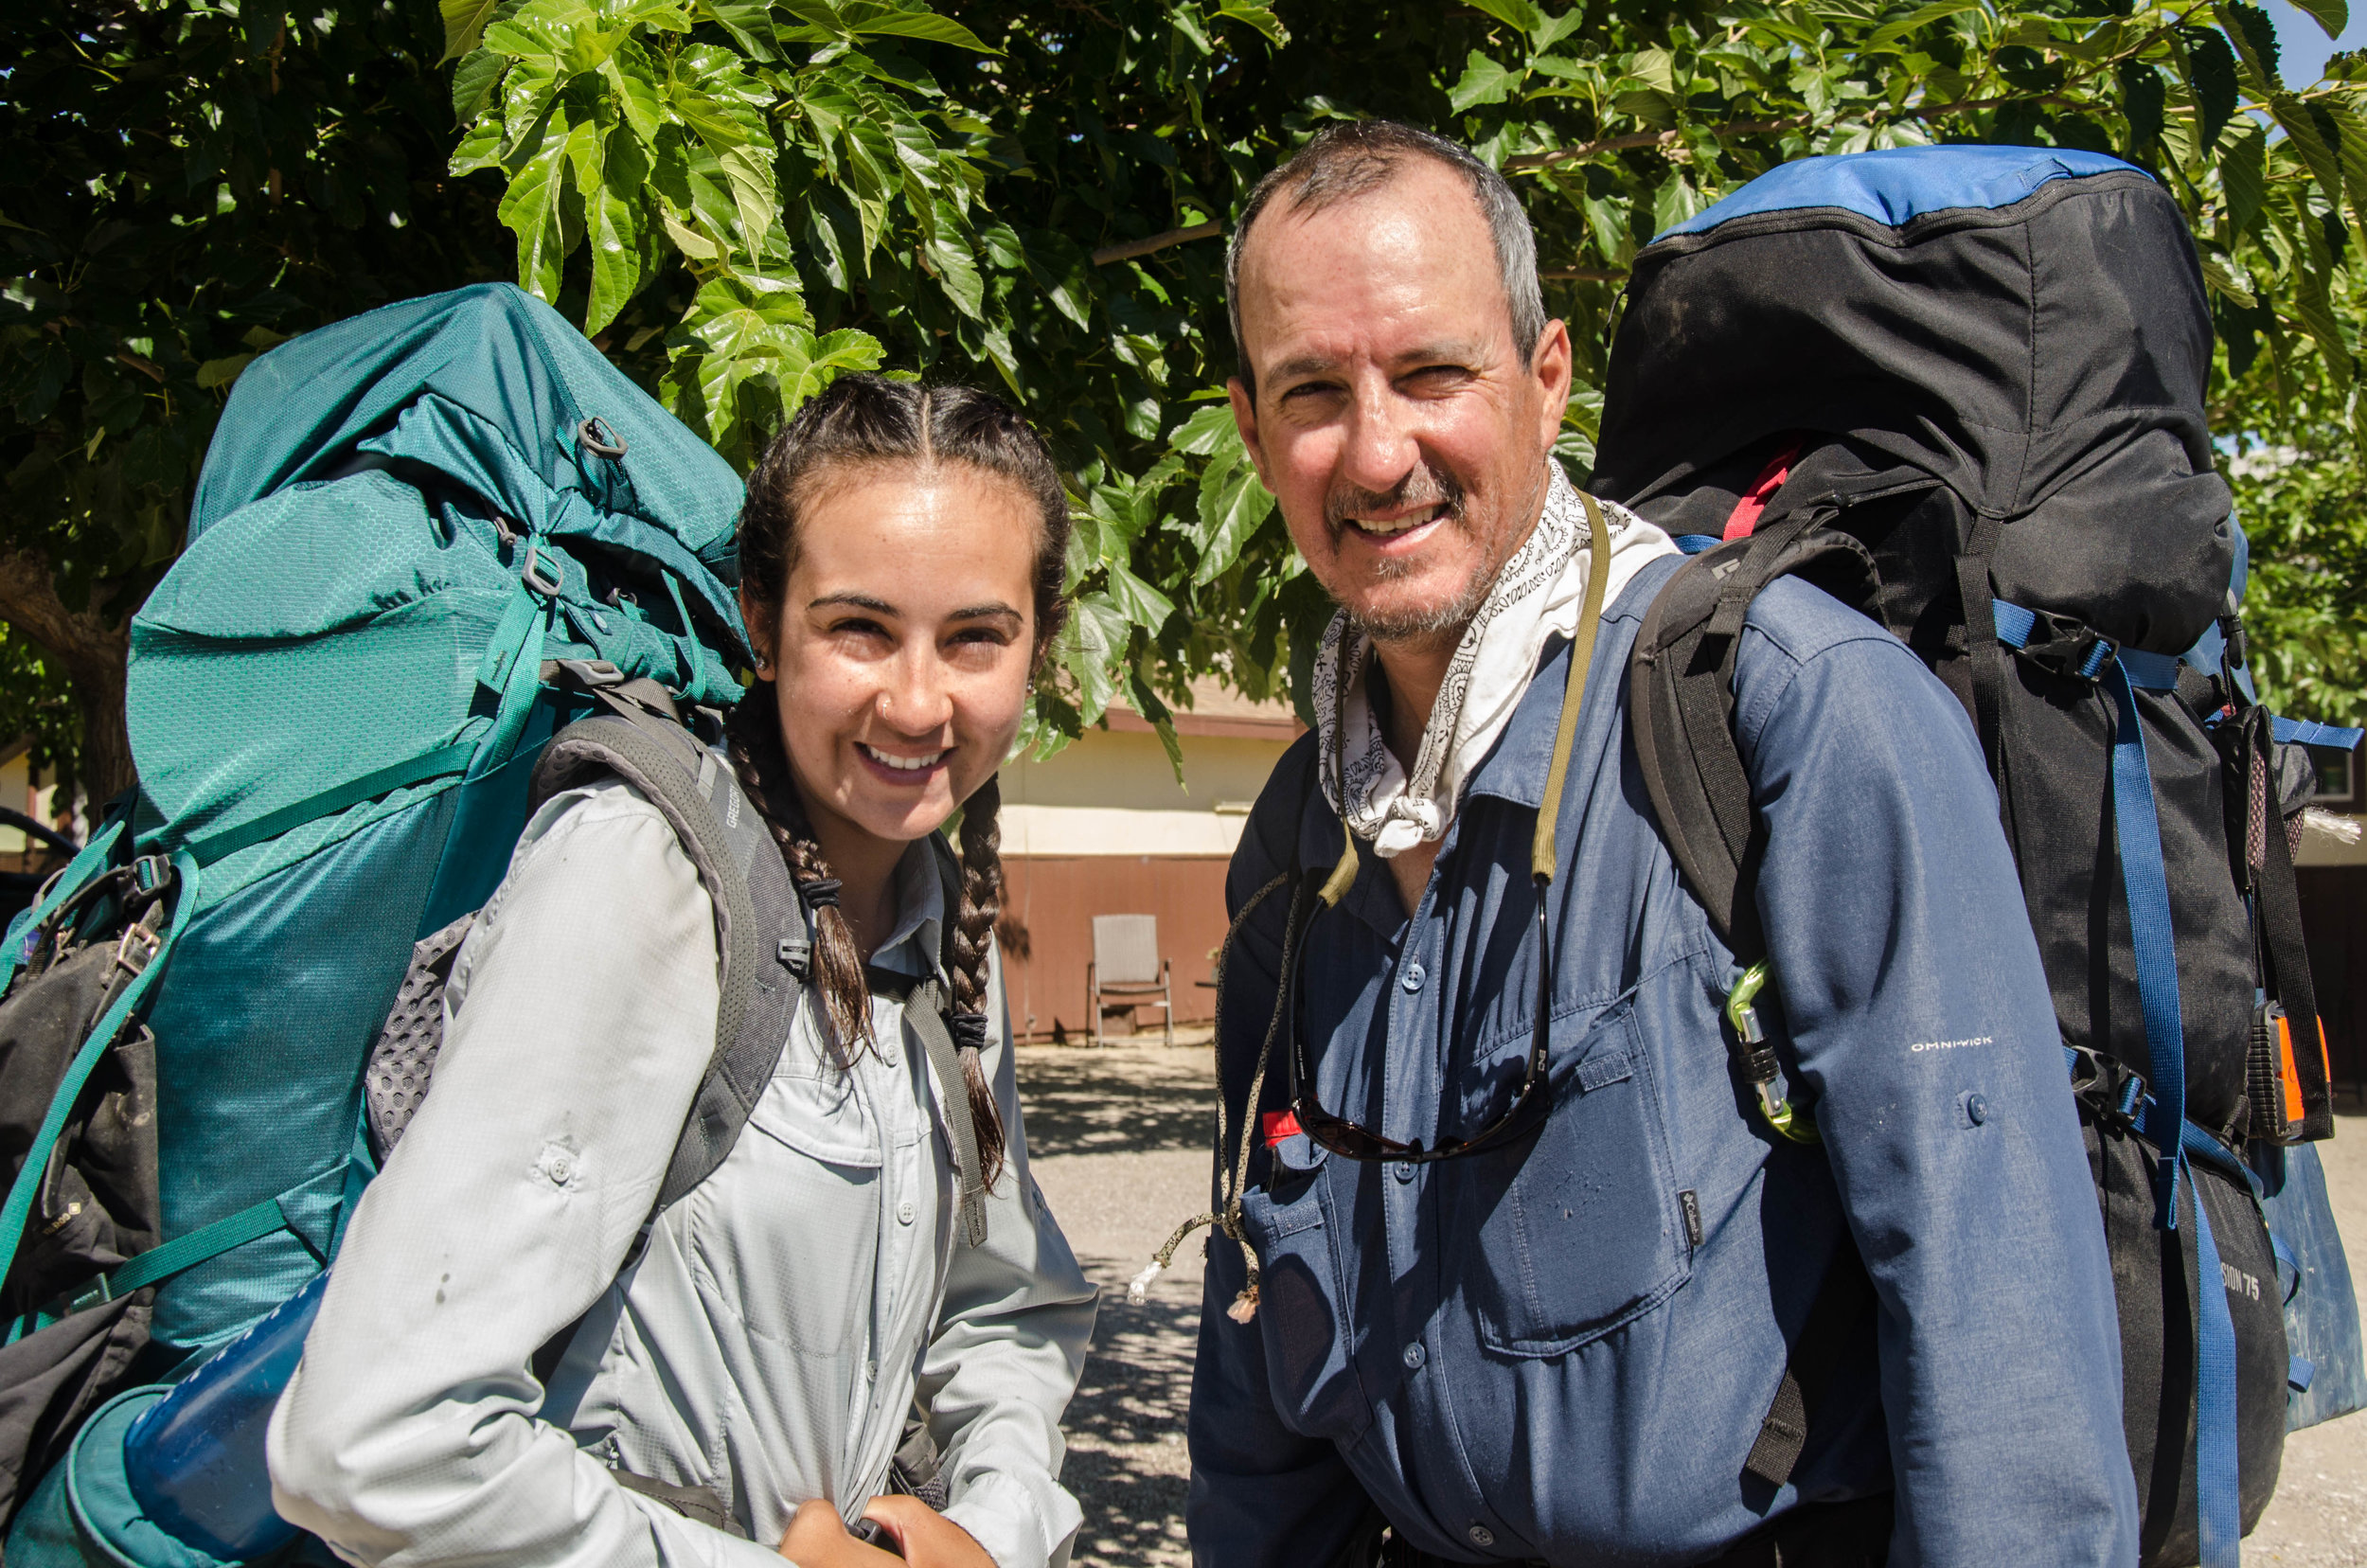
[1961, 388]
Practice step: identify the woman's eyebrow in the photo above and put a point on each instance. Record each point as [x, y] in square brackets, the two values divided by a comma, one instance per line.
[980, 611]
[854, 601]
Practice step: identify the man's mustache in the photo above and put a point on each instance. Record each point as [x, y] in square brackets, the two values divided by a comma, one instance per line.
[1424, 487]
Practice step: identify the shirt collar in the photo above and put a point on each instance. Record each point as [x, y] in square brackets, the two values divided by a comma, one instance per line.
[913, 944]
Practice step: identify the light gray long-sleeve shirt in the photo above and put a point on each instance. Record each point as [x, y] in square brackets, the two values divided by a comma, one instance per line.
[772, 1337]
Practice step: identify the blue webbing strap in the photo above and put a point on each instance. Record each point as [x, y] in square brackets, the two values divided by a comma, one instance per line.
[2309, 732]
[1694, 545]
[78, 1072]
[2219, 1501]
[2146, 878]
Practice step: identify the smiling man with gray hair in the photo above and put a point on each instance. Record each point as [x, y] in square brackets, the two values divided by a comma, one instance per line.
[1512, 1270]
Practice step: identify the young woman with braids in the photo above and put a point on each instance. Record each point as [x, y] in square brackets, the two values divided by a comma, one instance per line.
[741, 1386]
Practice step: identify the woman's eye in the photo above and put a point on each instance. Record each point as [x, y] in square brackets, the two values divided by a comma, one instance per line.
[859, 627]
[982, 635]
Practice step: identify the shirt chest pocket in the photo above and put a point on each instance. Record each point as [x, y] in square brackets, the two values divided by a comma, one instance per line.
[1299, 1317]
[1574, 1229]
[789, 1227]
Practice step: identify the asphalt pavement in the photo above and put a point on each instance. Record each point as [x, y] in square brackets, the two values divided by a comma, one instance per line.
[1120, 1140]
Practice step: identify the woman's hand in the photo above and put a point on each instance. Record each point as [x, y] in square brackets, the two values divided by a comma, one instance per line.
[817, 1538]
[926, 1537]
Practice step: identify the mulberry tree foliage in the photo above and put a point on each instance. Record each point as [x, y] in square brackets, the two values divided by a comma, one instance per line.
[740, 200]
[747, 199]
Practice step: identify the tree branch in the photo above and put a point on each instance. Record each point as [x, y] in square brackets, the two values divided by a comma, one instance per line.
[1583, 275]
[92, 652]
[1134, 248]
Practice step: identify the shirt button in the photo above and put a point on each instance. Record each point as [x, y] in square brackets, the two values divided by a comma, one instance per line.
[1404, 1169]
[1414, 975]
[1413, 1357]
[904, 1212]
[1481, 1534]
[1978, 1109]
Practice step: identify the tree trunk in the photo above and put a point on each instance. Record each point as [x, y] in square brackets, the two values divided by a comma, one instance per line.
[93, 650]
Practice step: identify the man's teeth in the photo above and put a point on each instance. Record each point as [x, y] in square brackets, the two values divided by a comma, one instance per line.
[902, 765]
[1393, 525]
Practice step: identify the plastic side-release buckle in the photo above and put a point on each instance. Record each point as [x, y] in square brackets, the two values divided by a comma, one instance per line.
[539, 576]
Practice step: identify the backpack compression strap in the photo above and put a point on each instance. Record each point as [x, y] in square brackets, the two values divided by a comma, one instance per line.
[759, 930]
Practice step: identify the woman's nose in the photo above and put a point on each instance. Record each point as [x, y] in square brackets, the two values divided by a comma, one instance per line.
[918, 699]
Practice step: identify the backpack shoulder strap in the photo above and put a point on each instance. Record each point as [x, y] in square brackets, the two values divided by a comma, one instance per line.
[760, 928]
[1681, 698]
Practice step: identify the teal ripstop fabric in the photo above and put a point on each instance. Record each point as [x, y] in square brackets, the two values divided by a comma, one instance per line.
[374, 497]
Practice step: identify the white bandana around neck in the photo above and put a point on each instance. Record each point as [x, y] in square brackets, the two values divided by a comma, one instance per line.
[1537, 596]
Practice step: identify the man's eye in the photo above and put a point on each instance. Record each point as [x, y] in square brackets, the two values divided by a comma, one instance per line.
[1305, 390]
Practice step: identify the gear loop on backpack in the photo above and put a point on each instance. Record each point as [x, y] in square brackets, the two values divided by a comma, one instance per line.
[594, 435]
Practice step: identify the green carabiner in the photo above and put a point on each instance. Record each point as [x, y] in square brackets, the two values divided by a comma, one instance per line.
[1757, 1061]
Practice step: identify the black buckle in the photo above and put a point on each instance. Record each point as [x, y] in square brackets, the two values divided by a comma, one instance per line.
[2114, 1092]
[2069, 647]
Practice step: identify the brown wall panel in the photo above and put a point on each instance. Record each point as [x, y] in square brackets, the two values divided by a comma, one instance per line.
[1048, 936]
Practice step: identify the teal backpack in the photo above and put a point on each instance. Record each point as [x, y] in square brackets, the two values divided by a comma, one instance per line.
[416, 532]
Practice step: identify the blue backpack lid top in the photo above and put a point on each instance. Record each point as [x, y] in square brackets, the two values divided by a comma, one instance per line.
[1901, 184]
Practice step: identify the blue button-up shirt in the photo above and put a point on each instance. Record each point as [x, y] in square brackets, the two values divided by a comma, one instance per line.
[1564, 1348]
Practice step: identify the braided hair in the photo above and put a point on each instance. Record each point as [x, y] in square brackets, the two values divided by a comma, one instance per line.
[869, 422]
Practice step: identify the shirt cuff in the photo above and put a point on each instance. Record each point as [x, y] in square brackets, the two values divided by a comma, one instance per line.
[1021, 1526]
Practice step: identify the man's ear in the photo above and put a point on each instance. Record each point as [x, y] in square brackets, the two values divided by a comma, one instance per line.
[1551, 368]
[1245, 420]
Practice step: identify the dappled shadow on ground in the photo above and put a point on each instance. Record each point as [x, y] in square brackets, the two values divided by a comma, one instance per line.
[1082, 1100]
[1127, 1460]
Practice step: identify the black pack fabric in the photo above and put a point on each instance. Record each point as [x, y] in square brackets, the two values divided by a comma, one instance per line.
[1943, 406]
[96, 1205]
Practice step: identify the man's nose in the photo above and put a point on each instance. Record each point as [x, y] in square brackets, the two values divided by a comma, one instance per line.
[1379, 449]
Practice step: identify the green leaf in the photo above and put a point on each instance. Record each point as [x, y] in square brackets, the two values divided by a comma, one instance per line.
[1138, 600]
[1251, 14]
[2301, 131]
[1484, 81]
[1210, 430]
[2255, 39]
[2333, 15]
[1517, 14]
[2211, 68]
[1917, 20]
[1675, 202]
[1233, 504]
[2223, 282]
[749, 21]
[2244, 175]
[473, 83]
[533, 209]
[879, 22]
[619, 231]
[824, 362]
[221, 372]
[464, 24]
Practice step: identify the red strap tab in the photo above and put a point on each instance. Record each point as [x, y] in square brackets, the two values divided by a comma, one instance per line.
[1281, 1125]
[1745, 516]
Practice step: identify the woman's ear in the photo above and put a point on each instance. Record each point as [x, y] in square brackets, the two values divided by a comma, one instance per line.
[763, 634]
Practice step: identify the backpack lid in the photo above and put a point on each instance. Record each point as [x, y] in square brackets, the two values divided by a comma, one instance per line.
[493, 389]
[2044, 358]
[1901, 184]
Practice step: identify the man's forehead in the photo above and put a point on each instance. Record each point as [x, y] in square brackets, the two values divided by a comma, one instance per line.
[1410, 262]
